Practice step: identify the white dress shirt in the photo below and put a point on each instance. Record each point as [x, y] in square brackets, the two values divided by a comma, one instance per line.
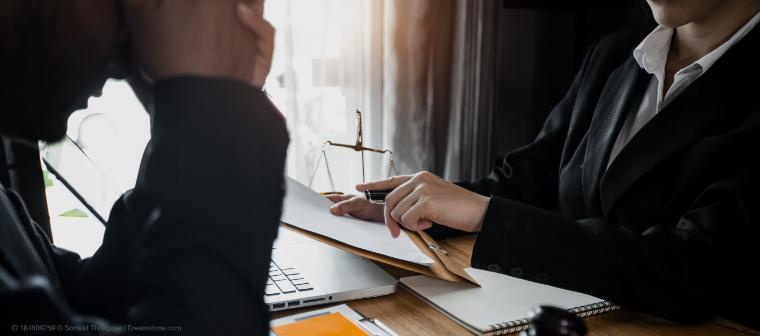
[652, 55]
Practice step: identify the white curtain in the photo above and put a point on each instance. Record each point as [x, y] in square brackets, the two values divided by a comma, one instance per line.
[421, 72]
[417, 81]
[469, 149]
[327, 64]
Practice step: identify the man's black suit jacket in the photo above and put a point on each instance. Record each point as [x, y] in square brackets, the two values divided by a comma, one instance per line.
[673, 226]
[188, 247]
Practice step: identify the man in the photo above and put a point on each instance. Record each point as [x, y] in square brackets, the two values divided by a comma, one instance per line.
[188, 249]
[643, 186]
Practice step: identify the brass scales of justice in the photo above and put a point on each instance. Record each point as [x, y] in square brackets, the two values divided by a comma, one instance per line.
[358, 147]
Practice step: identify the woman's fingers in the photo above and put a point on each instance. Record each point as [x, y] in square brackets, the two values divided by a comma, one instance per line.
[356, 206]
[392, 225]
[339, 198]
[345, 205]
[404, 205]
[386, 184]
[415, 201]
[419, 200]
[415, 216]
[424, 224]
[392, 200]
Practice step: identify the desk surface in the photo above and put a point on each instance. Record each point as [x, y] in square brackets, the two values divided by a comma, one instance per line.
[408, 315]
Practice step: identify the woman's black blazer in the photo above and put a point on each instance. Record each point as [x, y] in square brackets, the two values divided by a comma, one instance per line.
[672, 226]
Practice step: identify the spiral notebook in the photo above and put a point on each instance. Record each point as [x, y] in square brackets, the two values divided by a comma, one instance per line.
[500, 305]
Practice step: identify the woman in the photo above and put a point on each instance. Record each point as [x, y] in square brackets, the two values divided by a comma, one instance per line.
[642, 185]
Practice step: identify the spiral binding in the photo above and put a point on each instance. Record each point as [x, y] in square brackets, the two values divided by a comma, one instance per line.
[509, 327]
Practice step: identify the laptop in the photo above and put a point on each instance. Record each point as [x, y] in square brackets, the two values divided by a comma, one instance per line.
[305, 272]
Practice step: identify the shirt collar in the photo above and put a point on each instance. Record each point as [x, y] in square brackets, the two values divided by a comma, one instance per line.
[652, 53]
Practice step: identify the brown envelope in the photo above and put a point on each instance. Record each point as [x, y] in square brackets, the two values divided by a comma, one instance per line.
[448, 265]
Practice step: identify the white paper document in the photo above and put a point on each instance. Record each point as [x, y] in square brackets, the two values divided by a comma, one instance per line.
[308, 210]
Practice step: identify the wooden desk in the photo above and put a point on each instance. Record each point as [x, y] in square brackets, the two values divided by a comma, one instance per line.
[408, 315]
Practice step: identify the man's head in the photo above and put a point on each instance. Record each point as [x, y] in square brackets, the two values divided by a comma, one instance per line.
[54, 55]
[676, 13]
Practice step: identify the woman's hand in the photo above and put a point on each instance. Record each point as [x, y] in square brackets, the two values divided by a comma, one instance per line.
[416, 202]
[356, 206]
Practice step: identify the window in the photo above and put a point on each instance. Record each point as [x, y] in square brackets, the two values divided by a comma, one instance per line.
[326, 66]
[99, 158]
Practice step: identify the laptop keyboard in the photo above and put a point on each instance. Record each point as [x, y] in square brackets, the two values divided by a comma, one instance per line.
[285, 279]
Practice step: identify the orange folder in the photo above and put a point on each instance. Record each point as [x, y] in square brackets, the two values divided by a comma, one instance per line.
[334, 324]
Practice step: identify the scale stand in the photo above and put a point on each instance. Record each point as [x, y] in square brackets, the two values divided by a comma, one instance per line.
[358, 147]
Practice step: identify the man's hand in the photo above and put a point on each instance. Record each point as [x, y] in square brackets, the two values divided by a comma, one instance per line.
[417, 201]
[214, 38]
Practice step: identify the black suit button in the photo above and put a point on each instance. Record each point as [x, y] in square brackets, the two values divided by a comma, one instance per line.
[494, 268]
[516, 272]
[542, 277]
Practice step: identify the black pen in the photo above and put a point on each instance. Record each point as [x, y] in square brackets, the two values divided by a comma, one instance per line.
[377, 196]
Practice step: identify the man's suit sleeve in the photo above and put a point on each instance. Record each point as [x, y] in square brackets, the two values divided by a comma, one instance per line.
[672, 270]
[212, 179]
